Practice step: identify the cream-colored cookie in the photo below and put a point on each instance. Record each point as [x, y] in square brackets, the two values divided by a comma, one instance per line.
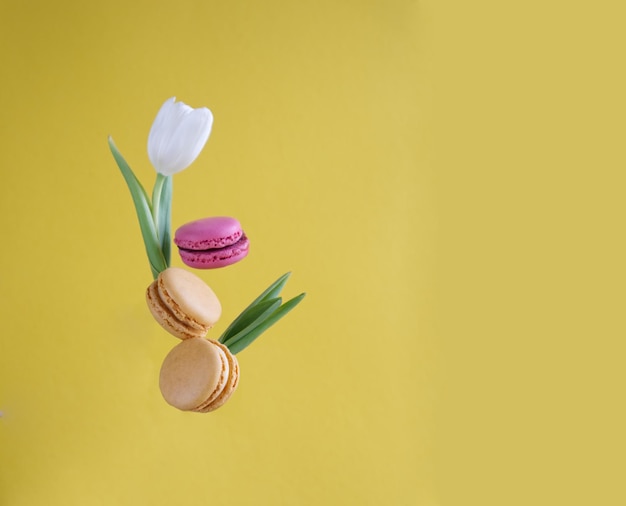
[194, 373]
[182, 303]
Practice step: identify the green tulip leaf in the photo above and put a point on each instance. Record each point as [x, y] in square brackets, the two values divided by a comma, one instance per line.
[274, 289]
[247, 339]
[144, 213]
[252, 318]
[250, 314]
[270, 292]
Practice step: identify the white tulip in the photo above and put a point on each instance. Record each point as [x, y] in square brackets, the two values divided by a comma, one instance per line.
[177, 136]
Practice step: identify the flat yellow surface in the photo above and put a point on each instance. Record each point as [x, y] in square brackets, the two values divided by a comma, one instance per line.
[444, 179]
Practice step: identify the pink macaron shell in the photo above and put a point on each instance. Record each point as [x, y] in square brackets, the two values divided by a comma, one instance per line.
[215, 258]
[208, 233]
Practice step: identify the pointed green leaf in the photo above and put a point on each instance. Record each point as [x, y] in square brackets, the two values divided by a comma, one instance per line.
[252, 318]
[250, 314]
[144, 213]
[247, 339]
[274, 289]
[270, 292]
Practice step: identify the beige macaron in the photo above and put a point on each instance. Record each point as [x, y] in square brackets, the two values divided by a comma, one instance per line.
[198, 375]
[182, 303]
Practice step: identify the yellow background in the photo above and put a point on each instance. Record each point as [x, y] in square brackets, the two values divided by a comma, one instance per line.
[445, 181]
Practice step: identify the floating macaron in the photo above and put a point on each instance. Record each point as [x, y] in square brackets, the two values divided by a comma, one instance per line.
[210, 243]
[198, 375]
[182, 303]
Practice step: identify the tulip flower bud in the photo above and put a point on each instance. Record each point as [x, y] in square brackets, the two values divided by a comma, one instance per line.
[177, 136]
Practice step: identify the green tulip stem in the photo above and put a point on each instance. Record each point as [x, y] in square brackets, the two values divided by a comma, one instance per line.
[162, 213]
[156, 197]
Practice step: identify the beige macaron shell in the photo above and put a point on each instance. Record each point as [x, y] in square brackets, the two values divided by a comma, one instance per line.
[189, 298]
[194, 371]
[166, 318]
[231, 384]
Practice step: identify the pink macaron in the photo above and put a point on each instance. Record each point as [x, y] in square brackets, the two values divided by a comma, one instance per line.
[210, 243]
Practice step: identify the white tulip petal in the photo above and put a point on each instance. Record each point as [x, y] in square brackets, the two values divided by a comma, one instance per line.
[189, 139]
[162, 119]
[158, 134]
